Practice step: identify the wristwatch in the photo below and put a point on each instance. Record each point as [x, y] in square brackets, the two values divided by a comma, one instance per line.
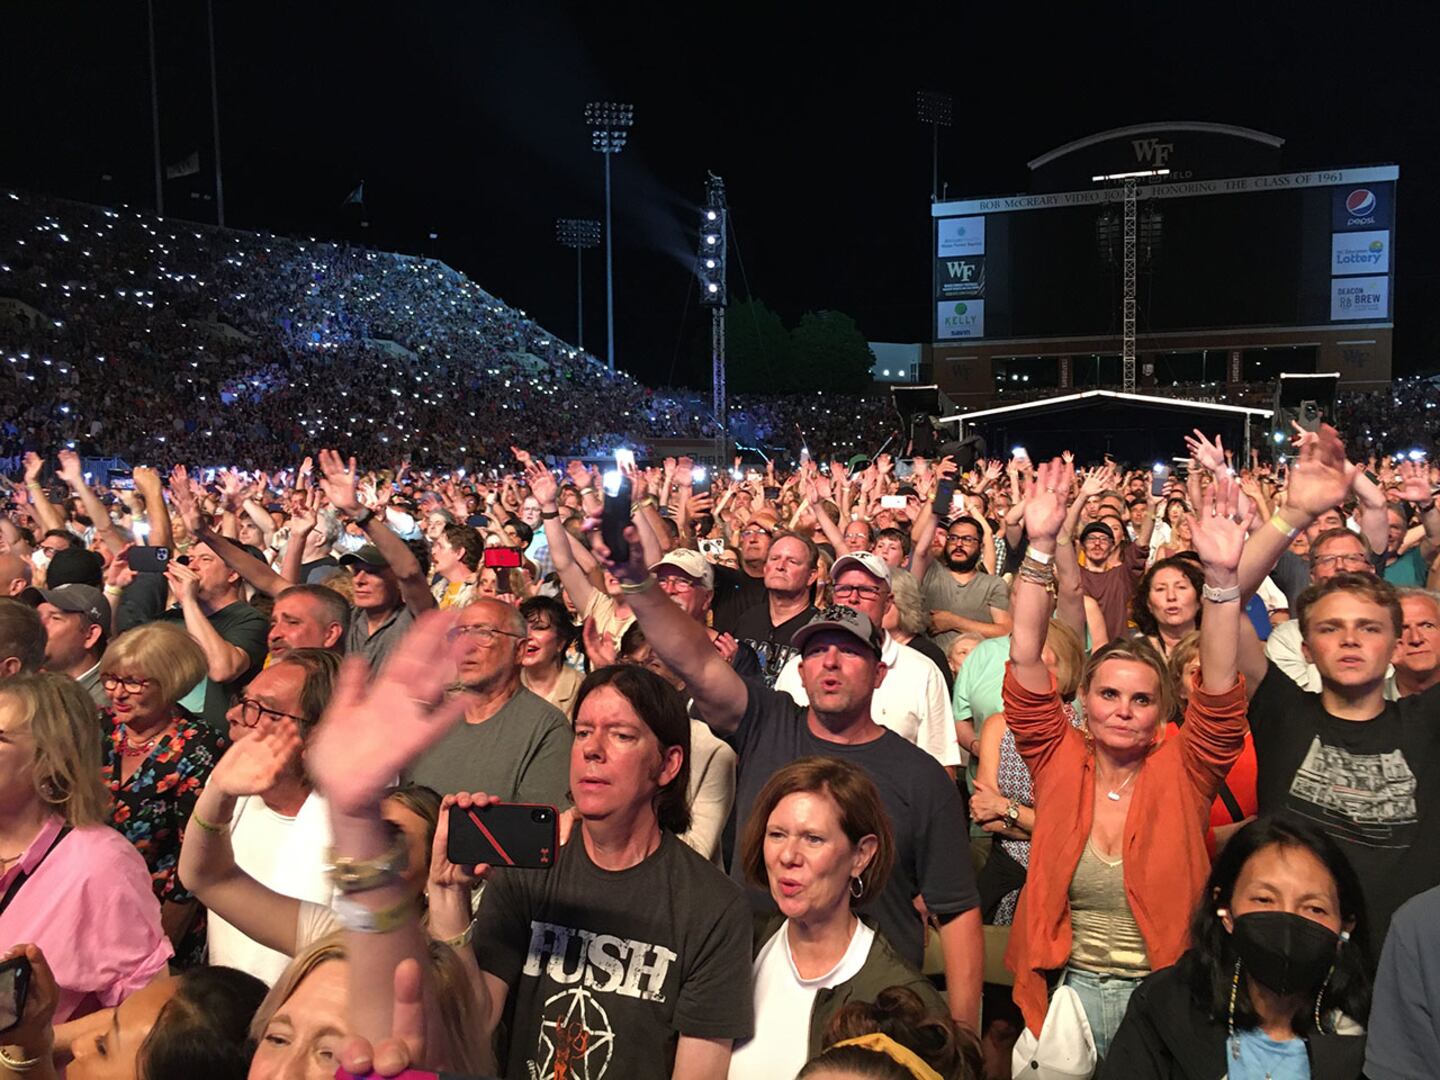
[352, 875]
[1012, 813]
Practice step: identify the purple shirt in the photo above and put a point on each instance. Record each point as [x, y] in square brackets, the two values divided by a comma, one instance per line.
[90, 908]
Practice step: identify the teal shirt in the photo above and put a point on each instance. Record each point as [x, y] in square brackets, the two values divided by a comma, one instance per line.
[1408, 571]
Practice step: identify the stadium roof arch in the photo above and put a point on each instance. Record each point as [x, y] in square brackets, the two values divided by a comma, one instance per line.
[1203, 127]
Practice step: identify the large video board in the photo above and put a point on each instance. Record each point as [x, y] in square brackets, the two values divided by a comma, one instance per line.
[1297, 249]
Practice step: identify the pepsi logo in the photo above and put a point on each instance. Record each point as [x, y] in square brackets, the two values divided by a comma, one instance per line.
[1359, 202]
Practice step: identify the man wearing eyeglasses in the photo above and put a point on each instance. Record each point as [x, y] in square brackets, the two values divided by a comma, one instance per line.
[513, 743]
[959, 595]
[1334, 551]
[278, 834]
[912, 700]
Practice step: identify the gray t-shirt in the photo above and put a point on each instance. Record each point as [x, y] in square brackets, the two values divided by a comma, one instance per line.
[521, 754]
[942, 592]
[376, 647]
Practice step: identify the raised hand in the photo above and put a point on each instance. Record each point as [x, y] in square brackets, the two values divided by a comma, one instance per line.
[70, 470]
[34, 466]
[1209, 455]
[542, 485]
[522, 456]
[579, 475]
[1320, 477]
[338, 480]
[184, 582]
[1415, 481]
[599, 647]
[256, 762]
[183, 499]
[372, 731]
[1046, 500]
[118, 574]
[1219, 526]
[305, 517]
[406, 1044]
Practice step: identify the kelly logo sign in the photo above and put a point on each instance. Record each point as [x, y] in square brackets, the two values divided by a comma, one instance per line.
[960, 319]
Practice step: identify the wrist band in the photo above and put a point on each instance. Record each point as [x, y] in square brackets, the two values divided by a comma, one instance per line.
[355, 916]
[549, 515]
[632, 587]
[1043, 558]
[462, 939]
[1221, 596]
[205, 826]
[114, 590]
[352, 875]
[1284, 526]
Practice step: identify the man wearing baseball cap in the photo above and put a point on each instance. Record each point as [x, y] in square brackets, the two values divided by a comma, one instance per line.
[912, 700]
[840, 667]
[77, 628]
[688, 578]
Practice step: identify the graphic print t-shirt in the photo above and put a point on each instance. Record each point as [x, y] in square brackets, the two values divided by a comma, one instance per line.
[607, 968]
[1373, 785]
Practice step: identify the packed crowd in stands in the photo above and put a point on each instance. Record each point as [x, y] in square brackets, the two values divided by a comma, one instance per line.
[477, 758]
[115, 319]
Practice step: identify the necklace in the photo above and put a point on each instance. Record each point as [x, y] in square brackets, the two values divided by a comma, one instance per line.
[130, 749]
[1114, 793]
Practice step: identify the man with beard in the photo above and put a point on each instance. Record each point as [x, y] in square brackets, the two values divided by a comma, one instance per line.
[959, 595]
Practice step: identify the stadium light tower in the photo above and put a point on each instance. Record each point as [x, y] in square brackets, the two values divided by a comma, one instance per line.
[935, 109]
[1130, 194]
[610, 125]
[710, 269]
[578, 233]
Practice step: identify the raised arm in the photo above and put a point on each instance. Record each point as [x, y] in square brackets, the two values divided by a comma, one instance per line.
[148, 484]
[207, 858]
[572, 575]
[1415, 489]
[46, 512]
[338, 478]
[73, 473]
[230, 553]
[371, 732]
[1219, 528]
[720, 694]
[1045, 516]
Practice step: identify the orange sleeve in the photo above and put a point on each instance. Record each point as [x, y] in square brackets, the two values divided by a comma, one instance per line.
[1214, 735]
[1036, 720]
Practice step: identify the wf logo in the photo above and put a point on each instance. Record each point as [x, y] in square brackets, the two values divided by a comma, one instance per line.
[1152, 151]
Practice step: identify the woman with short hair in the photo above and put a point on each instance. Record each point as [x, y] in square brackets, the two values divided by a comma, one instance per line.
[70, 884]
[157, 758]
[820, 841]
[543, 669]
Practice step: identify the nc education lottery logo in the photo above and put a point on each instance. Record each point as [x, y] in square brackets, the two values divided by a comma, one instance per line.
[1359, 252]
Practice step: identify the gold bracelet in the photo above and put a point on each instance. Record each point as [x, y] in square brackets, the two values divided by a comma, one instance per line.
[1063, 541]
[630, 588]
[205, 826]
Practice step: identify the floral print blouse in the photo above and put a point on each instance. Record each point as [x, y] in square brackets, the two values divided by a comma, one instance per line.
[152, 808]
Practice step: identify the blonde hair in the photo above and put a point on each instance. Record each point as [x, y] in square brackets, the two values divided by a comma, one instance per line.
[1065, 643]
[1138, 651]
[161, 652]
[1183, 651]
[452, 996]
[68, 759]
[909, 605]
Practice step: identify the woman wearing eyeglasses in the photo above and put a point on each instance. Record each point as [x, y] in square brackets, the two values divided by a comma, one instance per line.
[157, 758]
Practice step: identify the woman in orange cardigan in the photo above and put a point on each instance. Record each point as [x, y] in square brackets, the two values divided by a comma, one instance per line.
[1119, 848]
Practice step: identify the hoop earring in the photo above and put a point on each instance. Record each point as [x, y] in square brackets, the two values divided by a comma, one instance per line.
[857, 887]
[1230, 1020]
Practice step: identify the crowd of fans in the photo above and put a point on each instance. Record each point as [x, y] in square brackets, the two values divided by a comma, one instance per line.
[976, 770]
[447, 757]
[159, 340]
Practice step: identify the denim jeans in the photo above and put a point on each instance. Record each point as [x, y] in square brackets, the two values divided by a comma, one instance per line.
[1104, 998]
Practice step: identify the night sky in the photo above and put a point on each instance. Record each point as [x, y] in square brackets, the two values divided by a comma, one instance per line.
[465, 119]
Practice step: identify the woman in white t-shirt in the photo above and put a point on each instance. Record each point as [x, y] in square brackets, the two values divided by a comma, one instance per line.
[820, 841]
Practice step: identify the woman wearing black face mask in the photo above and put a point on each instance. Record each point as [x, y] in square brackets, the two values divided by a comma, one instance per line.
[1274, 985]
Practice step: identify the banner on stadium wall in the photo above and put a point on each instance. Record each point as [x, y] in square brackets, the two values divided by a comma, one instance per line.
[959, 319]
[960, 278]
[960, 236]
[1360, 252]
[1359, 298]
